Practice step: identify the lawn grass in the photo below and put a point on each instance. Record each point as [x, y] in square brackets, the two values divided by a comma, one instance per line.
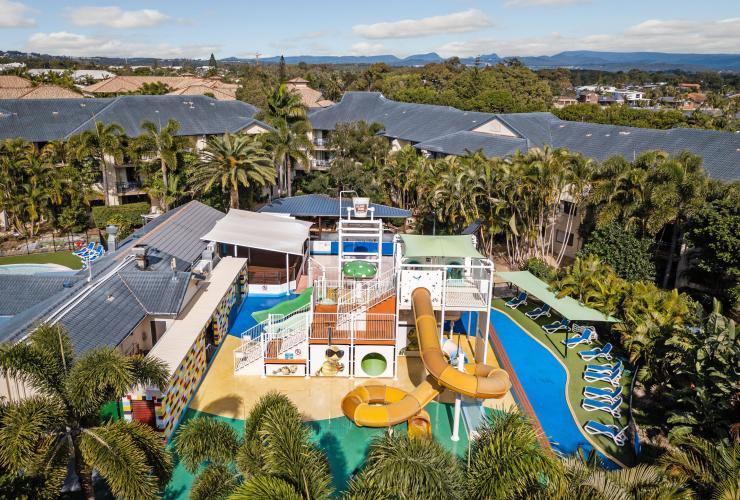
[67, 259]
[576, 366]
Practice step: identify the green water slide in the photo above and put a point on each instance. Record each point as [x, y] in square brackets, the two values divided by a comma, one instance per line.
[285, 307]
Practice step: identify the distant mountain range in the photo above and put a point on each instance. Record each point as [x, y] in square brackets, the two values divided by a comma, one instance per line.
[577, 59]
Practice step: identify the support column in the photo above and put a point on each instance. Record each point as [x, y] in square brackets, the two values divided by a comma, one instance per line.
[287, 270]
[458, 404]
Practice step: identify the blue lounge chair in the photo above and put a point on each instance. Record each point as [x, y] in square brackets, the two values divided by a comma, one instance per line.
[518, 300]
[586, 337]
[556, 326]
[544, 310]
[605, 368]
[595, 405]
[612, 377]
[597, 352]
[89, 248]
[611, 431]
[602, 394]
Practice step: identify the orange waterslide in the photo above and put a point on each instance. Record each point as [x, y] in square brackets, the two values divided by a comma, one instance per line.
[383, 406]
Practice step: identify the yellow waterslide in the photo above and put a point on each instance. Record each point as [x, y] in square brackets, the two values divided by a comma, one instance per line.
[382, 406]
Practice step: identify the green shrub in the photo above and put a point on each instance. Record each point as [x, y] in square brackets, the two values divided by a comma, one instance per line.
[131, 213]
[626, 253]
[541, 269]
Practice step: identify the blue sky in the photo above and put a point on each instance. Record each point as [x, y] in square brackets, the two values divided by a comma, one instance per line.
[195, 28]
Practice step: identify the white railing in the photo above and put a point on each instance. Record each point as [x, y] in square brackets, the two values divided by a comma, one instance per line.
[356, 326]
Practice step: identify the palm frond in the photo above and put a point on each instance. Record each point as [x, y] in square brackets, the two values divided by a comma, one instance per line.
[98, 375]
[266, 488]
[22, 427]
[202, 440]
[215, 482]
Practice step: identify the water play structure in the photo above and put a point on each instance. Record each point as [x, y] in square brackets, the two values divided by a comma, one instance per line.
[384, 406]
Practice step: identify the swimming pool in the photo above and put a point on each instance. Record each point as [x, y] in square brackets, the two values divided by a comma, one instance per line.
[35, 269]
[243, 320]
[544, 381]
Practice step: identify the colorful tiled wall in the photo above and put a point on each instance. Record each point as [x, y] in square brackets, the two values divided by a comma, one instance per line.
[186, 378]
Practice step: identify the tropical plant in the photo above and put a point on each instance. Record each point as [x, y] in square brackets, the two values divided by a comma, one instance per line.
[60, 425]
[163, 145]
[404, 467]
[103, 145]
[629, 256]
[290, 146]
[274, 459]
[284, 105]
[232, 161]
[507, 461]
[711, 468]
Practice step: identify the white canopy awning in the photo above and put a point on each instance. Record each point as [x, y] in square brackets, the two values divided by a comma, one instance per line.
[262, 231]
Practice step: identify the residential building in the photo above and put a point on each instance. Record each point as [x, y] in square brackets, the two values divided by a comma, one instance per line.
[79, 75]
[44, 120]
[181, 85]
[16, 87]
[563, 101]
[311, 98]
[439, 131]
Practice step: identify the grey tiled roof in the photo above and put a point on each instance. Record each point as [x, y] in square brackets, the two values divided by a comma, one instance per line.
[20, 292]
[40, 120]
[157, 292]
[449, 131]
[407, 121]
[460, 143]
[316, 205]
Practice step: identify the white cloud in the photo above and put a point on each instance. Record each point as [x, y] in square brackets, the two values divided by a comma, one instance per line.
[15, 15]
[676, 35]
[115, 17]
[73, 44]
[368, 49]
[457, 22]
[543, 3]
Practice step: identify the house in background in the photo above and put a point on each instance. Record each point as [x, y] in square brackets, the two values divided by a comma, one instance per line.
[311, 98]
[180, 85]
[16, 87]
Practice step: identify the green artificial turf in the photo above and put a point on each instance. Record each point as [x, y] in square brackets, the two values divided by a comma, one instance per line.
[67, 259]
[576, 366]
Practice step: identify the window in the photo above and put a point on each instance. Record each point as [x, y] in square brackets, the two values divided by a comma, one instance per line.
[560, 237]
[567, 206]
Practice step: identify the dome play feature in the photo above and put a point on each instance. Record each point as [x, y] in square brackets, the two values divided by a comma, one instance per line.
[359, 269]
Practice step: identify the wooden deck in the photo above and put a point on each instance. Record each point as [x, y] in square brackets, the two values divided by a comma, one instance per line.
[378, 330]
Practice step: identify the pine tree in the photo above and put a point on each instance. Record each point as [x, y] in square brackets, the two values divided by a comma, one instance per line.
[212, 61]
[281, 70]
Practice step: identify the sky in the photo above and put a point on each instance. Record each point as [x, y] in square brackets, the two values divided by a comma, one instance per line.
[197, 28]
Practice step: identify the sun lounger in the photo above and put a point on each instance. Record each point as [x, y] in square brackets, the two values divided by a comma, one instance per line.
[605, 368]
[556, 326]
[611, 431]
[89, 248]
[518, 300]
[612, 377]
[602, 394]
[597, 352]
[586, 337]
[544, 310]
[595, 405]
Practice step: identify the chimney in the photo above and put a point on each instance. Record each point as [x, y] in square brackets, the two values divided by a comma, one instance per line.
[112, 231]
[141, 253]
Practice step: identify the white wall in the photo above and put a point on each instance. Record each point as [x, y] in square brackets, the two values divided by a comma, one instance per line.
[495, 127]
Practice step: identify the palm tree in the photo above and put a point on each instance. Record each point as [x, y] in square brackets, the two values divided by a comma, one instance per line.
[290, 145]
[586, 481]
[160, 143]
[507, 461]
[232, 161]
[275, 458]
[103, 143]
[712, 468]
[284, 105]
[60, 424]
[404, 467]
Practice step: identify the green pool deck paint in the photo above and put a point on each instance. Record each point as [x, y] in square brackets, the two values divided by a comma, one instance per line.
[346, 445]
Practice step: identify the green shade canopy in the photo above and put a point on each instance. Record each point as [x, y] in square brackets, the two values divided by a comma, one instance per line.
[568, 307]
[461, 246]
[359, 269]
[285, 307]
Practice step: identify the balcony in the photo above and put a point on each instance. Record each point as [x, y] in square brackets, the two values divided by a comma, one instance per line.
[320, 142]
[320, 164]
[127, 186]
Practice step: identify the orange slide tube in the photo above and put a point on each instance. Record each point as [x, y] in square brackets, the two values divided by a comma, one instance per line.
[376, 405]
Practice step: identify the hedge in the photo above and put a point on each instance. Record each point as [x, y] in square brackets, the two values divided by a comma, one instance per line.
[130, 213]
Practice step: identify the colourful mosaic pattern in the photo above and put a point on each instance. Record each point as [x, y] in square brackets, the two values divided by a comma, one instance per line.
[149, 395]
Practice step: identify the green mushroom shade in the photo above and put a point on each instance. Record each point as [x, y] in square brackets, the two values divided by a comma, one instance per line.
[359, 269]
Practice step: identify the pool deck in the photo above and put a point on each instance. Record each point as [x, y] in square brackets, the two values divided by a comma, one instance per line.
[232, 396]
[574, 367]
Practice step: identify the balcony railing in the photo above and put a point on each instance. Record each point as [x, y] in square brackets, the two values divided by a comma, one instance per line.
[126, 186]
[320, 141]
[320, 163]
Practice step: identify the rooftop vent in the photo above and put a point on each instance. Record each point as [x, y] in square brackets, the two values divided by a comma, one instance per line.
[109, 298]
[141, 253]
[589, 135]
[55, 112]
[624, 132]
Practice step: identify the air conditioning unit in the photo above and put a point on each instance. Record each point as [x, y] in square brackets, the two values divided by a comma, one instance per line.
[202, 268]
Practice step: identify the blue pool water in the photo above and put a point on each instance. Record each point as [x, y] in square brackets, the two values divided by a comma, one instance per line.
[244, 321]
[543, 379]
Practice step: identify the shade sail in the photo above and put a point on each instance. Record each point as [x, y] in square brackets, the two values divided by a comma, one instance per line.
[285, 307]
[568, 307]
[263, 231]
[439, 246]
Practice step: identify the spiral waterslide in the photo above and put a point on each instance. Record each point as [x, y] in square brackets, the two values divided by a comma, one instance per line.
[377, 405]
